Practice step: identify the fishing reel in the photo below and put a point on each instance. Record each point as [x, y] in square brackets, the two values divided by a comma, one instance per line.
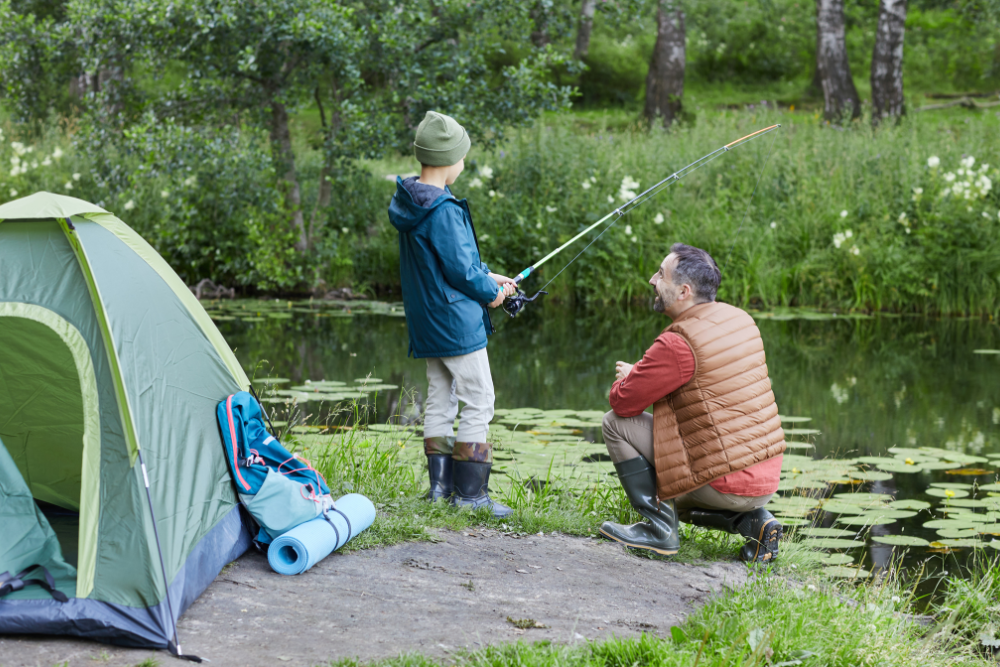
[513, 304]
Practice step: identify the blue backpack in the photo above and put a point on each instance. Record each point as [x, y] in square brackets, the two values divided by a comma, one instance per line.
[279, 489]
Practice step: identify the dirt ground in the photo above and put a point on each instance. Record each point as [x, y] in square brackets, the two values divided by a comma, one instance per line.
[431, 598]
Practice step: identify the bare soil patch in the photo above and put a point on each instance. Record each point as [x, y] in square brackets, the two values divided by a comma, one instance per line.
[431, 598]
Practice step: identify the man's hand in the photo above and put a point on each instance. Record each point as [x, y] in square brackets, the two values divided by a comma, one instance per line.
[497, 301]
[508, 284]
[622, 369]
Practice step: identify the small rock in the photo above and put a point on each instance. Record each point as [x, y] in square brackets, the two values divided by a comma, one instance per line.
[522, 571]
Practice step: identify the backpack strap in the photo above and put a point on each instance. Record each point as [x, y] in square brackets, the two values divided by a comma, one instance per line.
[11, 583]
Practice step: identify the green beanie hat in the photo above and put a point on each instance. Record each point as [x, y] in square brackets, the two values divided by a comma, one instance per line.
[440, 140]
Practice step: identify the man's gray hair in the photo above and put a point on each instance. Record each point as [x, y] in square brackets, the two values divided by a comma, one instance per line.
[696, 268]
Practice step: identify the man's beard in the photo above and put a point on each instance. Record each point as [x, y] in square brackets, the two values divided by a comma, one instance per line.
[664, 299]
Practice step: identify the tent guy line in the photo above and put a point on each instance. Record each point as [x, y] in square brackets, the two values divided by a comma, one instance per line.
[513, 305]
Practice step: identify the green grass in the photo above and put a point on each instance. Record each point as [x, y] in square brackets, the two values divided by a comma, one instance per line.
[771, 621]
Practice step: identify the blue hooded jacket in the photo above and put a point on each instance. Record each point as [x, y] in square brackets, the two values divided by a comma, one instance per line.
[446, 285]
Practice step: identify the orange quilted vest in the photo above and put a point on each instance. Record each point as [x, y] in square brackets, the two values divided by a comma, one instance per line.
[723, 420]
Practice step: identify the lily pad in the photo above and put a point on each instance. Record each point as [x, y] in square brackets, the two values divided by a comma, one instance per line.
[367, 380]
[799, 445]
[909, 505]
[950, 485]
[897, 466]
[995, 544]
[940, 465]
[826, 532]
[270, 380]
[831, 543]
[863, 498]
[969, 502]
[843, 572]
[802, 431]
[956, 533]
[793, 420]
[792, 520]
[990, 487]
[901, 540]
[870, 475]
[835, 507]
[949, 523]
[953, 544]
[947, 493]
[865, 520]
[988, 529]
[836, 559]
[986, 352]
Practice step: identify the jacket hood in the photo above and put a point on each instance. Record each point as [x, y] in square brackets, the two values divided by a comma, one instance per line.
[405, 214]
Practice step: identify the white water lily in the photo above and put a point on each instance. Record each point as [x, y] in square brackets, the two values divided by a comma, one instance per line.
[843, 214]
[585, 185]
[658, 219]
[129, 205]
[933, 161]
[486, 171]
[551, 209]
[475, 183]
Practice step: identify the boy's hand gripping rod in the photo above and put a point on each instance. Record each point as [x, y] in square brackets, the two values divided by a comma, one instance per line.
[514, 304]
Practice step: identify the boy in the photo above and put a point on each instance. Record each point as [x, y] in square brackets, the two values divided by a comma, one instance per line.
[446, 289]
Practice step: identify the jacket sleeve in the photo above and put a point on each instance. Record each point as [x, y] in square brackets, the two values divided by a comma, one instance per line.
[665, 367]
[460, 263]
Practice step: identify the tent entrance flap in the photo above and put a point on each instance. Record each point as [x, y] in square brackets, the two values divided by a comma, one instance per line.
[41, 410]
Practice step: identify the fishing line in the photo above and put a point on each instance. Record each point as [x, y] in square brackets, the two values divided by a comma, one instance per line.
[749, 203]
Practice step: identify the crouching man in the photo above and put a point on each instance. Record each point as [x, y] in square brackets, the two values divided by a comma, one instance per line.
[710, 454]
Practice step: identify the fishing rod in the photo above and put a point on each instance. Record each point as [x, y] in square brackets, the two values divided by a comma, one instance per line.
[513, 304]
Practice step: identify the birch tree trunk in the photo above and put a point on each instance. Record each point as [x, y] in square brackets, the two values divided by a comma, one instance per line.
[839, 94]
[284, 159]
[887, 61]
[584, 29]
[665, 80]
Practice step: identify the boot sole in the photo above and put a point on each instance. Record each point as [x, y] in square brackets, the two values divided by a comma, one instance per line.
[768, 543]
[662, 552]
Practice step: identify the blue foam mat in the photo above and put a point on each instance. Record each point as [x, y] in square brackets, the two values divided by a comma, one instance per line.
[305, 545]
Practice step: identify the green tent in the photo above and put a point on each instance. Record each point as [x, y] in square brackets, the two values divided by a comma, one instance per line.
[112, 473]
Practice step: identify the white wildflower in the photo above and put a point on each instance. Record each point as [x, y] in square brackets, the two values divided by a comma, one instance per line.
[15, 171]
[774, 225]
[164, 193]
[811, 588]
[949, 177]
[129, 205]
[855, 250]
[344, 230]
[492, 193]
[658, 219]
[986, 215]
[627, 190]
[946, 192]
[69, 185]
[838, 239]
[585, 185]
[34, 164]
[983, 168]
[486, 171]
[843, 214]
[551, 209]
[76, 177]
[967, 162]
[190, 180]
[475, 183]
[57, 153]
[611, 200]
[47, 162]
[635, 239]
[960, 172]
[18, 148]
[933, 161]
[15, 161]
[13, 192]
[539, 225]
[484, 237]
[593, 179]
[896, 598]
[628, 230]
[902, 219]
[839, 393]
[918, 191]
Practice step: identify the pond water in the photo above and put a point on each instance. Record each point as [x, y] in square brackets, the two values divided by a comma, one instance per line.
[893, 422]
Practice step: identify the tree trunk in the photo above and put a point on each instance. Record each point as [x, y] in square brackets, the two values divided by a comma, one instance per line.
[665, 81]
[284, 162]
[839, 94]
[887, 61]
[584, 29]
[540, 17]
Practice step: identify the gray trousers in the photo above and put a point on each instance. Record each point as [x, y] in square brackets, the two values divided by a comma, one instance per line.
[464, 378]
[629, 437]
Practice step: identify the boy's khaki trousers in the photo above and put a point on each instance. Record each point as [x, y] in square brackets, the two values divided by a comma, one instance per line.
[463, 378]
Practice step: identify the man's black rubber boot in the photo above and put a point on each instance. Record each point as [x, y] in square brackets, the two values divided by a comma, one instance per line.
[439, 467]
[659, 532]
[761, 530]
[471, 484]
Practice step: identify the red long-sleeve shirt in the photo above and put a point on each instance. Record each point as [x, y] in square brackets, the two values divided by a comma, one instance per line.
[667, 366]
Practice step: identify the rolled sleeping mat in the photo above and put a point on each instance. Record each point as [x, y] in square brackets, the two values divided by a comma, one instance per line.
[305, 545]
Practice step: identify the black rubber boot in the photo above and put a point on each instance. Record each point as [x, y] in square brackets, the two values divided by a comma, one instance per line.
[761, 530]
[659, 532]
[471, 484]
[439, 467]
